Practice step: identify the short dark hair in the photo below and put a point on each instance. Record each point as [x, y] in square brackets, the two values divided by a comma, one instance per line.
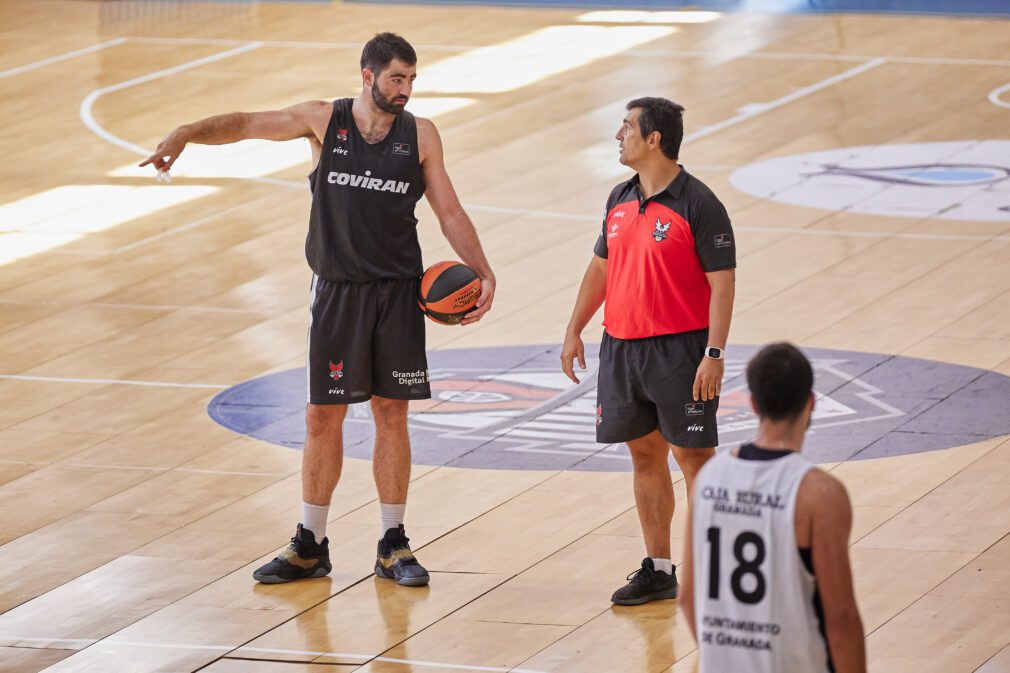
[665, 116]
[780, 379]
[380, 51]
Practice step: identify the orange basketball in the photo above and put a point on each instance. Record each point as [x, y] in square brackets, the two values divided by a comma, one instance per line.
[449, 290]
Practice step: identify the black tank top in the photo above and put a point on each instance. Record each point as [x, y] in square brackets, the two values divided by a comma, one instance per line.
[362, 225]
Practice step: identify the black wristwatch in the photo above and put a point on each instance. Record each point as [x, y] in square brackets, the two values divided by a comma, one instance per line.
[715, 353]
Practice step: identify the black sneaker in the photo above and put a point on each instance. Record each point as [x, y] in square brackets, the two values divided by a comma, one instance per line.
[302, 559]
[396, 562]
[647, 584]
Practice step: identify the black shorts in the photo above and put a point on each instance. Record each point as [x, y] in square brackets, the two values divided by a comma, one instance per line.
[366, 339]
[646, 384]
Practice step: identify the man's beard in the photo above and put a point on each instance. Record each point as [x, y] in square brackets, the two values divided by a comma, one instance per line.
[386, 104]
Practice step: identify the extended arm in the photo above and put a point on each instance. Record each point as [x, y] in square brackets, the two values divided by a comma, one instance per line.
[304, 120]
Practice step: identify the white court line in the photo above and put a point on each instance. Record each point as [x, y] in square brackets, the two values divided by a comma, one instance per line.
[753, 111]
[651, 53]
[994, 96]
[191, 470]
[185, 227]
[756, 109]
[155, 307]
[62, 57]
[265, 650]
[89, 101]
[107, 382]
[770, 230]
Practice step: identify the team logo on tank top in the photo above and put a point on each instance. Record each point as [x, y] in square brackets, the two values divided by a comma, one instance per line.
[342, 134]
[366, 181]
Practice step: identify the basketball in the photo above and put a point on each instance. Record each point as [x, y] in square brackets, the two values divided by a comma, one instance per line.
[449, 290]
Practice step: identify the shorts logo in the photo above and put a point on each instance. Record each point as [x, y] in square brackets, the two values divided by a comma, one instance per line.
[695, 409]
[695, 428]
[341, 134]
[336, 371]
[599, 414]
[416, 378]
[660, 232]
[401, 148]
[723, 241]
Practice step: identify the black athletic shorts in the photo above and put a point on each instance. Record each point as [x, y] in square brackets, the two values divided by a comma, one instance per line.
[366, 339]
[646, 384]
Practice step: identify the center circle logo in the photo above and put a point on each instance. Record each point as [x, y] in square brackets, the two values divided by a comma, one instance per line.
[957, 180]
[512, 408]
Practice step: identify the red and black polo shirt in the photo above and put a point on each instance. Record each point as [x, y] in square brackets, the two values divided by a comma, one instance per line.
[658, 251]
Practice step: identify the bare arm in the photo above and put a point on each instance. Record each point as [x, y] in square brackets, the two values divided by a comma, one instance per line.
[708, 380]
[455, 223]
[686, 596]
[830, 524]
[304, 120]
[592, 292]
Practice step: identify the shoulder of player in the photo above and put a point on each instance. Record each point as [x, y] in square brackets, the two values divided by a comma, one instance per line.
[822, 493]
[698, 192]
[426, 128]
[619, 193]
[315, 114]
[317, 109]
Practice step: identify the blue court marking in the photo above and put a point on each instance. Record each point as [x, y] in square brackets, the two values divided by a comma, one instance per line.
[512, 408]
[995, 8]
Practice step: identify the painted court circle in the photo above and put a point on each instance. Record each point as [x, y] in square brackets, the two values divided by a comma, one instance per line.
[512, 408]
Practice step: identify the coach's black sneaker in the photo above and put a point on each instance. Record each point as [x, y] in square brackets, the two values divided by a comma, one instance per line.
[396, 562]
[647, 584]
[302, 559]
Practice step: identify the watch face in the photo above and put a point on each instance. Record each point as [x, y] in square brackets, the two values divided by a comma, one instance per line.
[714, 352]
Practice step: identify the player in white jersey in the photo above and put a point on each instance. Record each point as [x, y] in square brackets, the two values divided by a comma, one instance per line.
[766, 584]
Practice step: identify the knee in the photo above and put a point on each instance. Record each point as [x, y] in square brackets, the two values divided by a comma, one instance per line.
[389, 413]
[692, 460]
[649, 457]
[321, 419]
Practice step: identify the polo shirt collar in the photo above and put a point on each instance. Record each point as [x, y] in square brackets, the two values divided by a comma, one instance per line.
[674, 189]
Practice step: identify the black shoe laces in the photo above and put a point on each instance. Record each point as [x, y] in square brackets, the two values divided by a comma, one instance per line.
[644, 575]
[402, 542]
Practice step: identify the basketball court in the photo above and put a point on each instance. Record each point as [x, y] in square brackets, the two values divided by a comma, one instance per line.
[152, 336]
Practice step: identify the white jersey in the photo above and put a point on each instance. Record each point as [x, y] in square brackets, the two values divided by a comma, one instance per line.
[754, 597]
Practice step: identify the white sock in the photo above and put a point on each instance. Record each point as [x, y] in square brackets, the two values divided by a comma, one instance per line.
[392, 515]
[314, 519]
[664, 564]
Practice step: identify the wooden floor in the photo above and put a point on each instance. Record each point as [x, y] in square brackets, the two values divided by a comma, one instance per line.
[130, 521]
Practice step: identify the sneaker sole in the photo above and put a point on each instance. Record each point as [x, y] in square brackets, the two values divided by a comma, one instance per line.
[380, 572]
[657, 596]
[274, 579]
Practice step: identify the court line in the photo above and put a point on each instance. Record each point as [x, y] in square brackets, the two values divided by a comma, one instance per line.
[186, 227]
[120, 382]
[265, 650]
[138, 468]
[89, 101]
[769, 230]
[154, 307]
[753, 111]
[994, 96]
[28, 67]
[676, 53]
[756, 109]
